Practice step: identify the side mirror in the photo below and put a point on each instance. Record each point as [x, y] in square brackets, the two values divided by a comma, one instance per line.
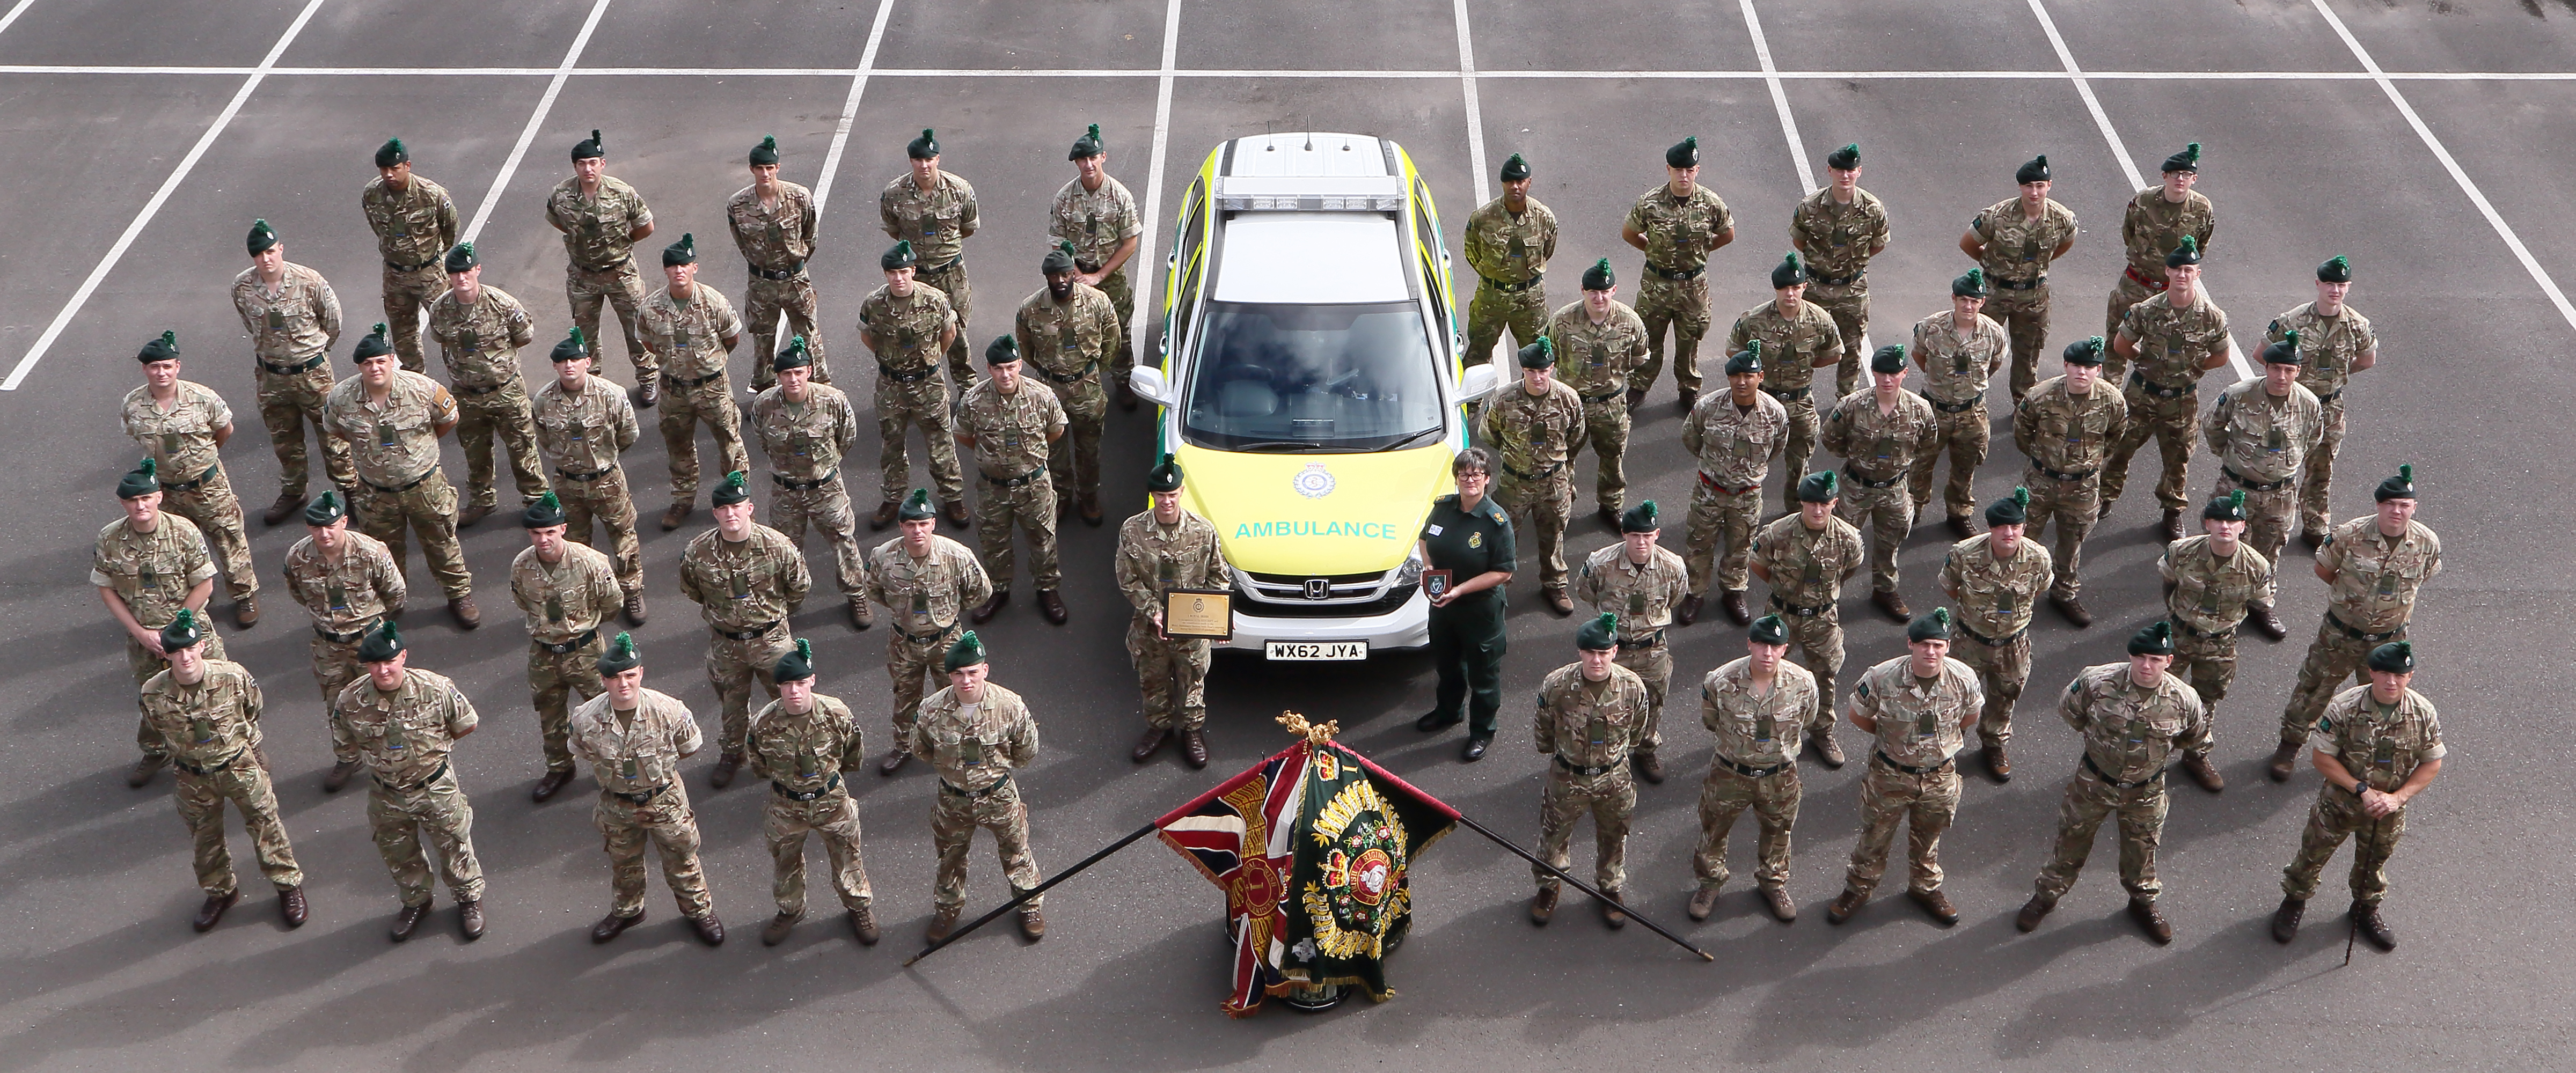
[1150, 386]
[1478, 383]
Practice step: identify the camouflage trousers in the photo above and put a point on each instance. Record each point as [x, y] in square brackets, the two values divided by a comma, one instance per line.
[621, 287]
[1720, 533]
[1074, 461]
[2024, 315]
[954, 816]
[734, 667]
[951, 281]
[828, 507]
[1654, 664]
[1605, 427]
[1122, 298]
[1724, 797]
[201, 806]
[2073, 506]
[1565, 798]
[286, 405]
[2334, 658]
[2175, 426]
[1031, 508]
[1540, 506]
[1925, 804]
[683, 409]
[834, 819]
[1681, 305]
[1887, 515]
[1818, 639]
[2003, 671]
[1172, 675]
[407, 296]
[504, 414]
[910, 662]
[763, 302]
[554, 679]
[145, 663]
[2125, 292]
[217, 513]
[335, 665]
[923, 403]
[2338, 815]
[667, 822]
[2269, 513]
[1490, 312]
[604, 500]
[2208, 663]
[427, 508]
[1965, 436]
[1849, 306]
[2317, 477]
[437, 816]
[2089, 800]
[1804, 430]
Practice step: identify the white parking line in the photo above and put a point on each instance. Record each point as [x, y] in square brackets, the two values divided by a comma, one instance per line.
[14, 12]
[1275, 74]
[536, 120]
[1152, 222]
[1779, 97]
[2479, 198]
[1475, 110]
[850, 107]
[80, 297]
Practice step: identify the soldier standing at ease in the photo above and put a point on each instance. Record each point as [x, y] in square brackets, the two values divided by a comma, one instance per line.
[2378, 745]
[585, 422]
[927, 582]
[691, 331]
[207, 711]
[1919, 707]
[908, 324]
[1677, 224]
[1161, 548]
[1064, 330]
[1798, 337]
[746, 579]
[2133, 716]
[1735, 436]
[148, 566]
[2373, 566]
[773, 224]
[634, 739]
[2210, 582]
[1509, 242]
[393, 421]
[2263, 431]
[184, 425]
[479, 331]
[294, 321]
[349, 583]
[802, 743]
[1097, 215]
[806, 429]
[1996, 578]
[2064, 426]
[415, 224]
[1805, 558]
[1468, 535]
[1591, 717]
[1640, 581]
[1010, 427]
[2335, 341]
[2015, 240]
[567, 590]
[1959, 352]
[2188, 336]
[1880, 435]
[1840, 228]
[975, 733]
[935, 211]
[1759, 706]
[400, 723]
[2156, 221]
[1533, 428]
[602, 219]
[1598, 342]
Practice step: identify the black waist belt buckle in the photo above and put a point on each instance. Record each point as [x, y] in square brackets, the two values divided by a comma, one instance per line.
[829, 785]
[2330, 396]
[1751, 772]
[778, 275]
[1801, 612]
[926, 638]
[2140, 381]
[1838, 281]
[1087, 368]
[1787, 394]
[2055, 475]
[805, 486]
[209, 770]
[1538, 476]
[317, 359]
[576, 644]
[433, 777]
[1501, 287]
[1957, 407]
[584, 478]
[915, 376]
[641, 798]
[2206, 635]
[190, 486]
[745, 635]
[412, 268]
[2253, 485]
[701, 381]
[1589, 772]
[1683, 276]
[611, 266]
[1992, 642]
[1882, 757]
[958, 261]
[2358, 635]
[402, 488]
[1648, 640]
[350, 638]
[1014, 482]
[1605, 396]
[1865, 482]
[2031, 284]
[2105, 776]
[948, 787]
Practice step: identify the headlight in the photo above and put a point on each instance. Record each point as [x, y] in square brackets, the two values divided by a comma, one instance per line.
[1410, 573]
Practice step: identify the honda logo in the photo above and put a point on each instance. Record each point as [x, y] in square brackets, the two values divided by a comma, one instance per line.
[1318, 588]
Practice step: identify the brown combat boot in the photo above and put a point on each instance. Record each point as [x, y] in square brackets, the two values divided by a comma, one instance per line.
[1960, 528]
[2266, 621]
[1542, 907]
[1636, 395]
[709, 929]
[408, 921]
[955, 511]
[1892, 602]
[469, 918]
[1937, 904]
[942, 921]
[1845, 904]
[552, 784]
[722, 774]
[246, 612]
[2173, 524]
[985, 611]
[339, 777]
[2308, 535]
[2033, 911]
[675, 514]
[1687, 611]
[2073, 608]
[1150, 744]
[1088, 506]
[1052, 606]
[288, 503]
[1194, 748]
[2285, 920]
[2366, 918]
[1998, 766]
[2283, 758]
[291, 907]
[1685, 399]
[776, 931]
[1610, 912]
[861, 615]
[884, 515]
[2151, 920]
[1731, 601]
[466, 614]
[1032, 923]
[1829, 751]
[2208, 777]
[142, 771]
[863, 924]
[634, 608]
[1703, 902]
[1648, 767]
[473, 513]
[1557, 601]
[894, 760]
[1782, 909]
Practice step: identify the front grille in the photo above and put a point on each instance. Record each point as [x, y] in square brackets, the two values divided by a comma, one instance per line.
[1393, 598]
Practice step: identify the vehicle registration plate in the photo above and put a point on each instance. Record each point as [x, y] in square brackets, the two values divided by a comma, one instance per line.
[1318, 650]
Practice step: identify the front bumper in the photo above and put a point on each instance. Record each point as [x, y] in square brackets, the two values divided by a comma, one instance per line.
[1408, 626]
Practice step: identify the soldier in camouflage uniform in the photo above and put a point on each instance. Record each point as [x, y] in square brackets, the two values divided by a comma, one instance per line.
[2263, 431]
[634, 739]
[1759, 707]
[1509, 242]
[2373, 567]
[2378, 745]
[183, 426]
[1640, 581]
[401, 723]
[392, 421]
[774, 226]
[691, 331]
[1532, 428]
[1097, 215]
[1064, 331]
[975, 733]
[2210, 582]
[935, 211]
[479, 331]
[602, 219]
[2064, 426]
[1805, 557]
[1798, 337]
[148, 566]
[1840, 228]
[415, 224]
[567, 590]
[1010, 426]
[584, 423]
[1959, 352]
[1735, 437]
[207, 711]
[802, 743]
[928, 583]
[2015, 240]
[908, 324]
[746, 579]
[1996, 578]
[348, 582]
[1880, 435]
[2176, 336]
[293, 320]
[2134, 716]
[1591, 717]
[1598, 342]
[1162, 548]
[2155, 222]
[1918, 707]
[2335, 341]
[806, 429]
[1677, 224]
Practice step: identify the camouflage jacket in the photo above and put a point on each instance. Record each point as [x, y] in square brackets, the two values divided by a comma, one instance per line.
[975, 749]
[1642, 595]
[210, 723]
[779, 238]
[806, 753]
[395, 444]
[568, 599]
[638, 753]
[299, 322]
[2153, 226]
[1154, 558]
[404, 737]
[348, 595]
[1956, 372]
[2327, 346]
[1011, 431]
[2207, 593]
[1679, 232]
[1995, 597]
[2376, 578]
[480, 343]
[1587, 723]
[595, 229]
[415, 226]
[2380, 745]
[181, 438]
[152, 572]
[2018, 248]
[1808, 566]
[584, 433]
[906, 331]
[1875, 443]
[1595, 359]
[805, 441]
[739, 586]
[1510, 249]
[2060, 434]
[1734, 447]
[1095, 221]
[1917, 726]
[2261, 439]
[1791, 346]
[1063, 342]
[1532, 435]
[936, 221]
[1837, 239]
[2130, 733]
[2172, 343]
[929, 593]
[1758, 729]
[688, 336]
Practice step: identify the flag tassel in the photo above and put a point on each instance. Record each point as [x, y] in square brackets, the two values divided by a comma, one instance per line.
[1580, 885]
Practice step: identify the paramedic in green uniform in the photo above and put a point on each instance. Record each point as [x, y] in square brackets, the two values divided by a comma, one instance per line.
[1469, 536]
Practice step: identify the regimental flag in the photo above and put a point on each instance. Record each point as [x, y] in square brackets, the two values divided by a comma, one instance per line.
[1313, 848]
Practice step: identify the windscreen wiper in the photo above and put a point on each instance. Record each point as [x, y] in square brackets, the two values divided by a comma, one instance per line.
[1418, 438]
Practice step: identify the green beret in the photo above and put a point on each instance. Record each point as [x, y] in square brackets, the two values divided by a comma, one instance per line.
[2187, 160]
[2226, 508]
[1599, 277]
[381, 644]
[899, 255]
[2013, 509]
[262, 237]
[1515, 168]
[1768, 630]
[1165, 476]
[591, 148]
[1598, 635]
[2154, 640]
[2337, 269]
[796, 666]
[574, 345]
[139, 481]
[1538, 355]
[325, 509]
[916, 507]
[391, 153]
[546, 511]
[2401, 486]
[792, 356]
[1971, 285]
[730, 490]
[164, 348]
[462, 259]
[1683, 154]
[1057, 260]
[1788, 273]
[2395, 657]
[924, 147]
[683, 252]
[621, 656]
[1817, 488]
[183, 631]
[1003, 350]
[967, 652]
[2186, 252]
[1932, 627]
[1747, 360]
[1888, 359]
[2034, 172]
[2285, 352]
[2085, 351]
[1845, 158]
[1640, 518]
[1085, 147]
[766, 152]
[372, 345]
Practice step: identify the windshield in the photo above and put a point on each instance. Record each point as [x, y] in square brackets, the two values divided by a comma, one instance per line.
[1278, 377]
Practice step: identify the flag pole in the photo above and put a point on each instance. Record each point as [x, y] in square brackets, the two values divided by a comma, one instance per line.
[1041, 888]
[1580, 885]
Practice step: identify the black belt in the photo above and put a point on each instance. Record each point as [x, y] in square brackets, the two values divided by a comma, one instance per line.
[829, 785]
[412, 268]
[583, 641]
[208, 770]
[317, 359]
[611, 266]
[1990, 642]
[1030, 477]
[947, 787]
[1865, 482]
[433, 777]
[1704, 478]
[745, 635]
[400, 489]
[1838, 281]
[781, 275]
[584, 477]
[1677, 277]
[2331, 395]
[682, 382]
[806, 486]
[1091, 266]
[1588, 772]
[2031, 284]
[1501, 287]
[1787, 394]
[958, 261]
[1611, 394]
[190, 486]
[2055, 475]
[2205, 635]
[1801, 612]
[2357, 635]
[2139, 380]
[640, 798]
[926, 638]
[916, 376]
[350, 638]
[1538, 476]
[1957, 407]
[1882, 757]
[2105, 776]
[1754, 772]
[1087, 368]
[464, 390]
[2250, 484]
[1649, 640]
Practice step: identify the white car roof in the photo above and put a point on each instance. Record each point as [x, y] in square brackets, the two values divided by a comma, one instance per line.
[1301, 154]
[1316, 258]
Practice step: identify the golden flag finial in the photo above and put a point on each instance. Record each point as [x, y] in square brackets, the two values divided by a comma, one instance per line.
[1314, 733]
